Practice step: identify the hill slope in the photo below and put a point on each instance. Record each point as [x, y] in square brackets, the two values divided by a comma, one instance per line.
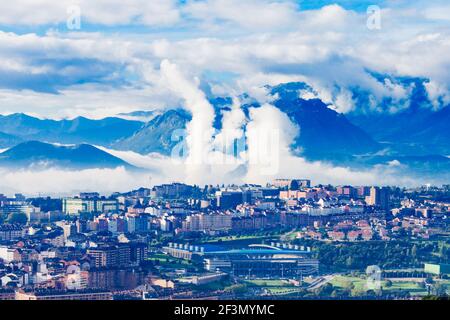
[34, 154]
[324, 133]
[79, 130]
[156, 135]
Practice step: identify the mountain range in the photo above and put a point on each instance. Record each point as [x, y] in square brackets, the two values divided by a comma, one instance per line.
[40, 155]
[22, 127]
[412, 132]
[157, 134]
[416, 128]
[416, 136]
[324, 133]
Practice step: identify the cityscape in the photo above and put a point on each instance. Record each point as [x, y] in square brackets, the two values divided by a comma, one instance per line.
[220, 158]
[288, 239]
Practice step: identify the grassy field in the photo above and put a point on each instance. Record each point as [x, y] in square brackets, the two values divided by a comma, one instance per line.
[267, 283]
[169, 262]
[360, 285]
[346, 282]
[283, 290]
[237, 238]
[289, 236]
[274, 287]
[158, 256]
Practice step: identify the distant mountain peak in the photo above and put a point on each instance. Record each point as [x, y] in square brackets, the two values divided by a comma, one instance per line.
[140, 115]
[102, 132]
[40, 154]
[156, 135]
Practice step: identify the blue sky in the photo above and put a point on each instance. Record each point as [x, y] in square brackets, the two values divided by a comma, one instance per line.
[145, 55]
[112, 63]
[134, 26]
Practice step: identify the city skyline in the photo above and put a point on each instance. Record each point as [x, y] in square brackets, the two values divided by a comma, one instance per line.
[287, 240]
[232, 150]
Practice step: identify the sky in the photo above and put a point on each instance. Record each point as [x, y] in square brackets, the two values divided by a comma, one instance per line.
[62, 59]
[69, 58]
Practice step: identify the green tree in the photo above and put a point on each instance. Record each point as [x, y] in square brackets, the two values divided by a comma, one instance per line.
[349, 262]
[294, 185]
[325, 290]
[371, 293]
[441, 249]
[240, 289]
[19, 218]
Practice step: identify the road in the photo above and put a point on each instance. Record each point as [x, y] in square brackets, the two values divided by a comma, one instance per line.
[316, 284]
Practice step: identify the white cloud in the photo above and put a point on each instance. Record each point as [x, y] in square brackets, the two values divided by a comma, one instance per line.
[233, 122]
[200, 129]
[65, 182]
[251, 14]
[330, 48]
[438, 93]
[275, 160]
[105, 12]
[95, 102]
[438, 12]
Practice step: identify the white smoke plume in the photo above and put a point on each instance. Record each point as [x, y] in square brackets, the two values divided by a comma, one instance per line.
[233, 122]
[200, 129]
[205, 160]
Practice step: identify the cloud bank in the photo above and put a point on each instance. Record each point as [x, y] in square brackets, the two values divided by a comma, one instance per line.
[50, 70]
